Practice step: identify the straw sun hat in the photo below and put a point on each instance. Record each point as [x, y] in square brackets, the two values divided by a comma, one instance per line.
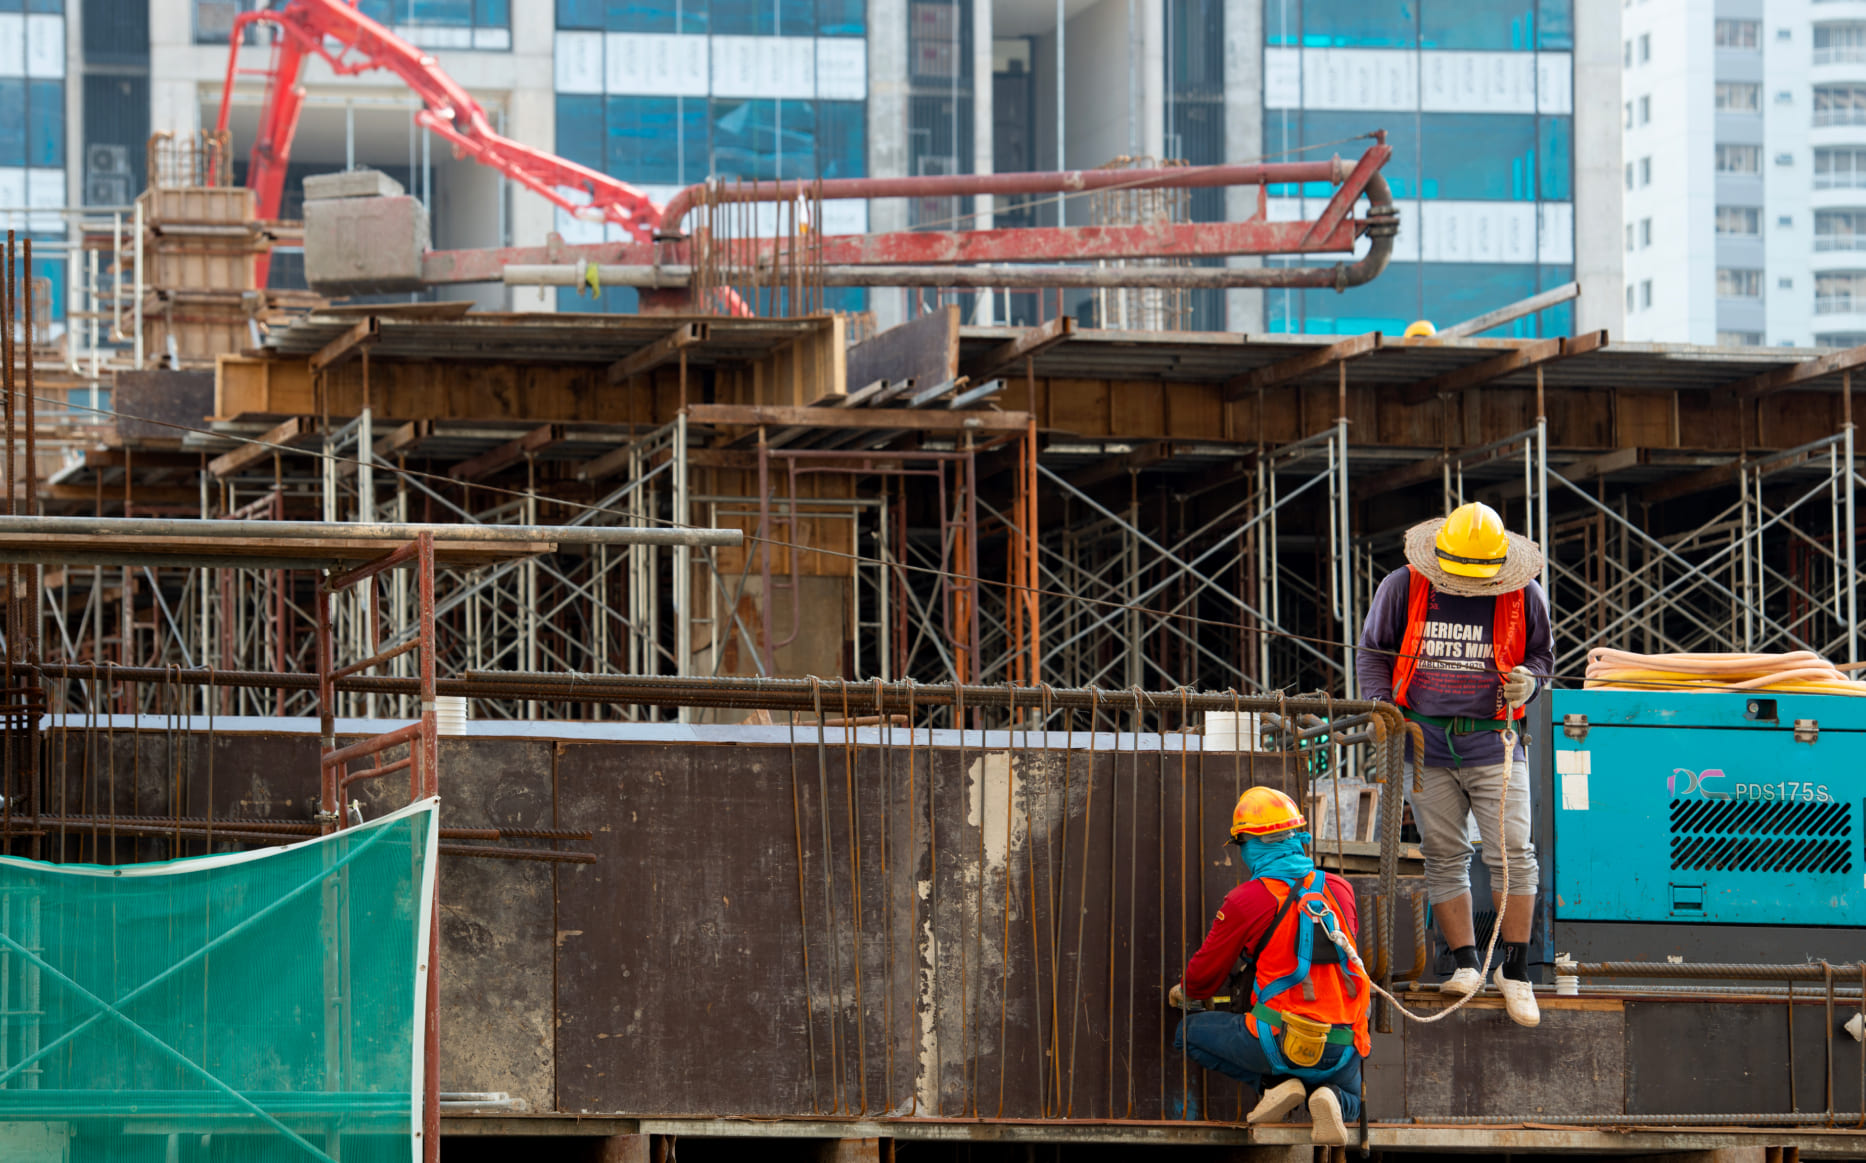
[1521, 565]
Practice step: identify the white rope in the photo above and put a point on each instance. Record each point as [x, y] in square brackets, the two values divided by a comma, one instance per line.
[1341, 941]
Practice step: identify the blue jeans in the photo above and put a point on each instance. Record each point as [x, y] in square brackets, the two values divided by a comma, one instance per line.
[1222, 1042]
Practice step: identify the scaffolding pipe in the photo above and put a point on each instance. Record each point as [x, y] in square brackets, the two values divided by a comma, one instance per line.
[1013, 275]
[141, 527]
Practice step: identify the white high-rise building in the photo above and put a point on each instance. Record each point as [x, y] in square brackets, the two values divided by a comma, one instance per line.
[1745, 171]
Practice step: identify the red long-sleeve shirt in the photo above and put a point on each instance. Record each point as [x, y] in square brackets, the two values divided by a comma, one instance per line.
[1247, 912]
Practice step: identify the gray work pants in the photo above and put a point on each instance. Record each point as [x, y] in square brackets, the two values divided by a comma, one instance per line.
[1448, 796]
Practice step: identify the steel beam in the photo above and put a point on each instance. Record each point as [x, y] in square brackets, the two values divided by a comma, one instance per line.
[751, 416]
[508, 454]
[1770, 382]
[1012, 353]
[226, 464]
[352, 342]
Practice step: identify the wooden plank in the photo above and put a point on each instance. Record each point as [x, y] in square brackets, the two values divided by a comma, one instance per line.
[113, 495]
[908, 418]
[1526, 356]
[925, 350]
[358, 336]
[228, 463]
[657, 353]
[1800, 373]
[1297, 366]
[404, 439]
[1700, 481]
[607, 465]
[1010, 356]
[508, 454]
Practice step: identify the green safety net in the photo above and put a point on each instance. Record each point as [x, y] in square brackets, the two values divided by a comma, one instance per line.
[239, 1008]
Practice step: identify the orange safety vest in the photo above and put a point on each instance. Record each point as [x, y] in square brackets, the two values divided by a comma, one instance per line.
[1332, 1002]
[1509, 636]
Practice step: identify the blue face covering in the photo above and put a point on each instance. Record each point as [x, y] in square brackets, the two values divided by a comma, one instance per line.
[1279, 859]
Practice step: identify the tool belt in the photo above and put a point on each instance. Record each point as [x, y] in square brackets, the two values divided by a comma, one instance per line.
[1458, 725]
[1301, 1039]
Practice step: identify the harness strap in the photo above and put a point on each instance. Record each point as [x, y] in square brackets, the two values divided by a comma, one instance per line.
[1456, 725]
[1337, 1035]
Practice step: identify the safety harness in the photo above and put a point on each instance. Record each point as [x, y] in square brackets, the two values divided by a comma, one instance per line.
[1509, 639]
[1292, 1043]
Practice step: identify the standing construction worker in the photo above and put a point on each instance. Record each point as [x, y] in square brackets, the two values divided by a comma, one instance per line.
[1298, 1016]
[1456, 639]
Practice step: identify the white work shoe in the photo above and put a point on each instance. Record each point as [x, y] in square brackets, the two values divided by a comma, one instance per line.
[1462, 983]
[1277, 1102]
[1325, 1109]
[1519, 997]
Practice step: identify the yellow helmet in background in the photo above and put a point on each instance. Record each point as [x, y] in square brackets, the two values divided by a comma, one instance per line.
[1420, 329]
[1265, 812]
[1472, 541]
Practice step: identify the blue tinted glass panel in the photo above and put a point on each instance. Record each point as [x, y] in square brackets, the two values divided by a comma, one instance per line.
[580, 13]
[12, 122]
[762, 139]
[46, 6]
[456, 13]
[45, 134]
[580, 129]
[1360, 23]
[1478, 25]
[493, 13]
[614, 301]
[795, 17]
[656, 16]
[656, 140]
[847, 300]
[841, 139]
[1555, 25]
[1387, 304]
[385, 12]
[1559, 319]
[841, 18]
[1557, 157]
[1478, 155]
[1324, 134]
[743, 18]
[55, 270]
[1455, 291]
[1282, 22]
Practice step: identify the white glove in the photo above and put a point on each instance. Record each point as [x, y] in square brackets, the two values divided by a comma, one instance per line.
[1519, 686]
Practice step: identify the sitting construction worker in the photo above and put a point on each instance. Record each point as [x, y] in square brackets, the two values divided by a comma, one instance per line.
[1297, 1024]
[1456, 639]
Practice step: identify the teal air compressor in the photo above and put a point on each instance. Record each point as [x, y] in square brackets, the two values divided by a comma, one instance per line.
[1714, 808]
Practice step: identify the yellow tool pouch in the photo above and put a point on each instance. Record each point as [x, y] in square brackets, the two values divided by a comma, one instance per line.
[1303, 1039]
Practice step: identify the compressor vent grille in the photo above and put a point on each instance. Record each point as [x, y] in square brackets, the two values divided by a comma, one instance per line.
[1753, 836]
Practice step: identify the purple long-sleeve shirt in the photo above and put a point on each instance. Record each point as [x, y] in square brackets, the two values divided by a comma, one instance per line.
[1456, 674]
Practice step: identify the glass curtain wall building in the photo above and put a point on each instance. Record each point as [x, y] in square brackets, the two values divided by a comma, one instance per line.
[666, 93]
[32, 130]
[1476, 98]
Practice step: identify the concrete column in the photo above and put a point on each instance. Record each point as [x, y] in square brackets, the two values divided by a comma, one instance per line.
[1243, 33]
[1599, 244]
[531, 117]
[887, 133]
[174, 92]
[1151, 49]
[983, 109]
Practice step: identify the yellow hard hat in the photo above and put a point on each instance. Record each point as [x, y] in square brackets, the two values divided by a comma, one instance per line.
[1472, 541]
[1263, 812]
[1420, 329]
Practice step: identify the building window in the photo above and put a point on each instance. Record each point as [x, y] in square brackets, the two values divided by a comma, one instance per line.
[1739, 220]
[1840, 43]
[1629, 298]
[455, 24]
[1739, 339]
[1645, 294]
[1840, 230]
[1785, 221]
[1738, 97]
[1785, 283]
[1840, 105]
[1628, 60]
[1738, 33]
[1784, 159]
[1839, 292]
[1645, 232]
[32, 124]
[1839, 167]
[1840, 339]
[1629, 238]
[1645, 110]
[1739, 159]
[1645, 171]
[1629, 175]
[1645, 47]
[1739, 283]
[1629, 114]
